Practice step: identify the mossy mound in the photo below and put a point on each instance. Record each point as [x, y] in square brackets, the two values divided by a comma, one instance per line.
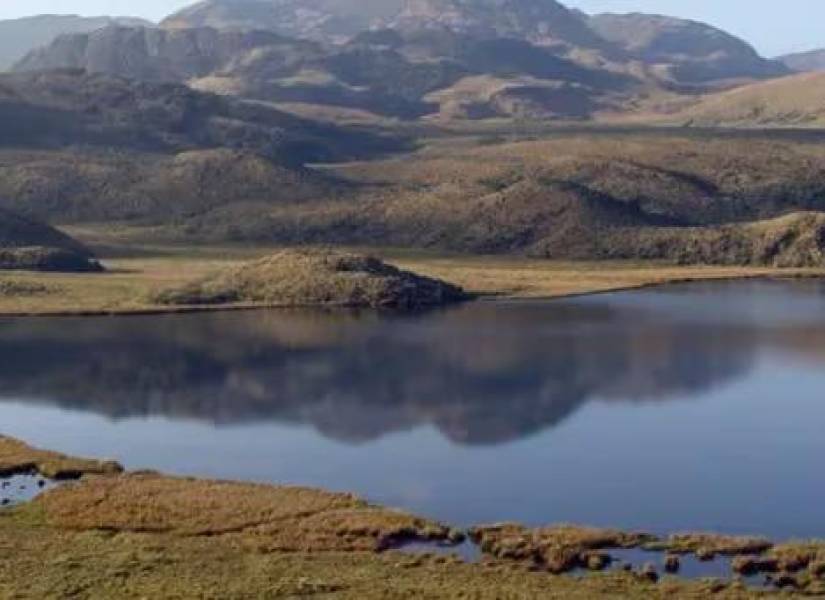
[38, 258]
[317, 277]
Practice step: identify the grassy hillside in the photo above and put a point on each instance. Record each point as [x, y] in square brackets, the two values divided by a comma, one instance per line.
[80, 146]
[55, 109]
[794, 101]
[596, 194]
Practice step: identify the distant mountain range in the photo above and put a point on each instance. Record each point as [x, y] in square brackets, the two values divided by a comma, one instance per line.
[813, 60]
[20, 36]
[408, 59]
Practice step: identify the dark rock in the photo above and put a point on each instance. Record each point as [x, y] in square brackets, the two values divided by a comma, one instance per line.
[672, 563]
[751, 565]
[785, 580]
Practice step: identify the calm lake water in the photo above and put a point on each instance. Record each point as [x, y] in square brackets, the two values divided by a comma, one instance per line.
[695, 406]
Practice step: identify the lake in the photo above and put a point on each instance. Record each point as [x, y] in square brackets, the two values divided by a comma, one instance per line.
[687, 407]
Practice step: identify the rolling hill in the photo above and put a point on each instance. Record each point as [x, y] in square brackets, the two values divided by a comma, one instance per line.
[57, 109]
[80, 146]
[794, 101]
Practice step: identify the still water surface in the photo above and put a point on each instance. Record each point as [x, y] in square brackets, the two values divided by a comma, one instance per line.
[696, 406]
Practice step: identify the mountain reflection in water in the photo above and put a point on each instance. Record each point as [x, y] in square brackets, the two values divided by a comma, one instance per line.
[484, 373]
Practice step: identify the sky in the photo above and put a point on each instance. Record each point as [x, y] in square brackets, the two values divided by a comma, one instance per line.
[773, 27]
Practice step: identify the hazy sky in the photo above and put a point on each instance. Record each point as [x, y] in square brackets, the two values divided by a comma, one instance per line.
[774, 28]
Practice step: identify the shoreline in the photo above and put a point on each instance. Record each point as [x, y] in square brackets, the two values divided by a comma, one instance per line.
[493, 296]
[173, 527]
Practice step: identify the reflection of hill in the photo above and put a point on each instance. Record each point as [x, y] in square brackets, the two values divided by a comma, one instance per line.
[481, 374]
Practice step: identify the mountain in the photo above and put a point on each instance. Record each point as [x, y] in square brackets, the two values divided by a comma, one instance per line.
[793, 101]
[544, 22]
[155, 54]
[317, 19]
[813, 60]
[385, 72]
[20, 36]
[683, 50]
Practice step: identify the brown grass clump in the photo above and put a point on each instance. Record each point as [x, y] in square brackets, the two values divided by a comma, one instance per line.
[273, 518]
[708, 545]
[18, 457]
[316, 277]
[558, 549]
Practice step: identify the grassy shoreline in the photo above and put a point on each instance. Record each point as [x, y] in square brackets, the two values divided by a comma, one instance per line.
[130, 282]
[116, 534]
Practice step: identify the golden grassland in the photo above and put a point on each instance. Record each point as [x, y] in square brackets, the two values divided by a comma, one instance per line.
[131, 282]
[141, 535]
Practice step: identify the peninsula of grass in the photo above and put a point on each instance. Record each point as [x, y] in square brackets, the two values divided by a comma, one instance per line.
[114, 535]
[135, 281]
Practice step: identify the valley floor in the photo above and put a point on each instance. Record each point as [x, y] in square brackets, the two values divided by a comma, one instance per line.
[131, 280]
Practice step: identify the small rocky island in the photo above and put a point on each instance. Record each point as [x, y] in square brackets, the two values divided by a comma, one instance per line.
[316, 278]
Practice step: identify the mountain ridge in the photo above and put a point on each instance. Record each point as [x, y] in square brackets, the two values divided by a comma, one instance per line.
[20, 36]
